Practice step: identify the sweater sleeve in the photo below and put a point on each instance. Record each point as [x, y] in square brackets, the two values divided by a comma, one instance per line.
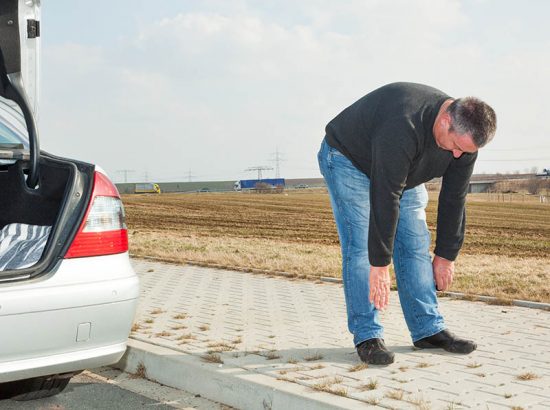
[451, 212]
[392, 156]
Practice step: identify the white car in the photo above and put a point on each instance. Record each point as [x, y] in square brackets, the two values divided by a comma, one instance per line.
[68, 293]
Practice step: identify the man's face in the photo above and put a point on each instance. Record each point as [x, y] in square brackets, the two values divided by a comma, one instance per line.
[457, 144]
[449, 140]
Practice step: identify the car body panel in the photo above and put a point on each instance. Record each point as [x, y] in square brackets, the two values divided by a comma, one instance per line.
[45, 314]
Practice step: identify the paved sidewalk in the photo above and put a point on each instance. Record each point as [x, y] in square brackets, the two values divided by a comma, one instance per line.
[291, 336]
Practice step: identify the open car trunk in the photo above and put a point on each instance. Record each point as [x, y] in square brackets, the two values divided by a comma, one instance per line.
[42, 197]
[52, 211]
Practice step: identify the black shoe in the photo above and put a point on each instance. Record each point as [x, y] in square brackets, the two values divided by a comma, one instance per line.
[373, 351]
[447, 341]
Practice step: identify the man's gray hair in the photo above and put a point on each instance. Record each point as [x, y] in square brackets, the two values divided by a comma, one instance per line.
[470, 115]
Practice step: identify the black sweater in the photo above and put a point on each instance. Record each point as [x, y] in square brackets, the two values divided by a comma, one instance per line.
[388, 134]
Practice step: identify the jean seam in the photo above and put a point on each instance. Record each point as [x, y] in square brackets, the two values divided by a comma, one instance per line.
[404, 282]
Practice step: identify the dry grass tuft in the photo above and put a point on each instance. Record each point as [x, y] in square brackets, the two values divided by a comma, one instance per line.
[317, 367]
[204, 328]
[178, 327]
[149, 321]
[423, 365]
[217, 347]
[164, 333]
[395, 394]
[272, 355]
[140, 373]
[373, 401]
[372, 384]
[473, 365]
[527, 376]
[212, 358]
[313, 357]
[135, 327]
[327, 386]
[187, 336]
[180, 316]
[157, 311]
[292, 360]
[358, 367]
[403, 368]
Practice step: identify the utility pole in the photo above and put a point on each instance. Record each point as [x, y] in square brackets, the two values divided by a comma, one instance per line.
[259, 169]
[277, 158]
[125, 172]
[190, 176]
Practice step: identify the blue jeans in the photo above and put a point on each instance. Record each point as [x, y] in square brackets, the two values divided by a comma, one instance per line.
[349, 195]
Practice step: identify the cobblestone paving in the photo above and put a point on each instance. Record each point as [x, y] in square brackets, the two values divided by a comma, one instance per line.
[296, 330]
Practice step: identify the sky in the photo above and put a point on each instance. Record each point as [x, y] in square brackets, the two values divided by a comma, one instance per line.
[173, 90]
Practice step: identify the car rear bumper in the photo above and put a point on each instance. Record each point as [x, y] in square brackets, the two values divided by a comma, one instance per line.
[75, 318]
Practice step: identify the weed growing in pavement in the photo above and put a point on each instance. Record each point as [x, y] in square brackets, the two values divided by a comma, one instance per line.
[292, 360]
[212, 358]
[327, 386]
[187, 336]
[178, 327]
[135, 327]
[358, 367]
[517, 408]
[480, 374]
[527, 376]
[423, 365]
[237, 340]
[507, 395]
[180, 316]
[220, 347]
[272, 355]
[164, 333]
[140, 373]
[373, 401]
[157, 311]
[403, 368]
[313, 357]
[317, 367]
[473, 365]
[395, 394]
[372, 384]
[149, 321]
[204, 328]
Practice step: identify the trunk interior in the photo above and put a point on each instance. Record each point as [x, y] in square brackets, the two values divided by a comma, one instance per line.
[59, 200]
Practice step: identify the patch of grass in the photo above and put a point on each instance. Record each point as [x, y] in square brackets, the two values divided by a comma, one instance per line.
[501, 238]
[292, 360]
[480, 374]
[237, 340]
[178, 327]
[403, 368]
[187, 336]
[317, 367]
[313, 357]
[373, 401]
[164, 333]
[212, 358]
[157, 311]
[372, 384]
[217, 347]
[473, 365]
[180, 316]
[140, 373]
[500, 302]
[507, 395]
[204, 328]
[327, 386]
[358, 367]
[149, 321]
[423, 365]
[517, 408]
[395, 394]
[135, 327]
[272, 336]
[272, 355]
[527, 376]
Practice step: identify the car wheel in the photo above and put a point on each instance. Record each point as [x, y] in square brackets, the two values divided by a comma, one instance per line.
[35, 388]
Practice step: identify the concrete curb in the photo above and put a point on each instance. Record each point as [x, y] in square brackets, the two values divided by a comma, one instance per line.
[227, 384]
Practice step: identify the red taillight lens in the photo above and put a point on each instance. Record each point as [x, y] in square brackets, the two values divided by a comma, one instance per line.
[103, 231]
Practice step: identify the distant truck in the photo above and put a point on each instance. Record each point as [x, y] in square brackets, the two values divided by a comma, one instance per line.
[147, 188]
[255, 183]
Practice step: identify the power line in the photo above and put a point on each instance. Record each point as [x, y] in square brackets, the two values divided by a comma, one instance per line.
[259, 169]
[278, 158]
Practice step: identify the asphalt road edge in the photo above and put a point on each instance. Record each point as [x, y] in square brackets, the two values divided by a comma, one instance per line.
[227, 384]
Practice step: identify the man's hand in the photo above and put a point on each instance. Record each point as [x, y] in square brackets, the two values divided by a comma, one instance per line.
[379, 284]
[443, 270]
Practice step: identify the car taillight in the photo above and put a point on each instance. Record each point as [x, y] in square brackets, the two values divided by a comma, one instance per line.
[103, 231]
